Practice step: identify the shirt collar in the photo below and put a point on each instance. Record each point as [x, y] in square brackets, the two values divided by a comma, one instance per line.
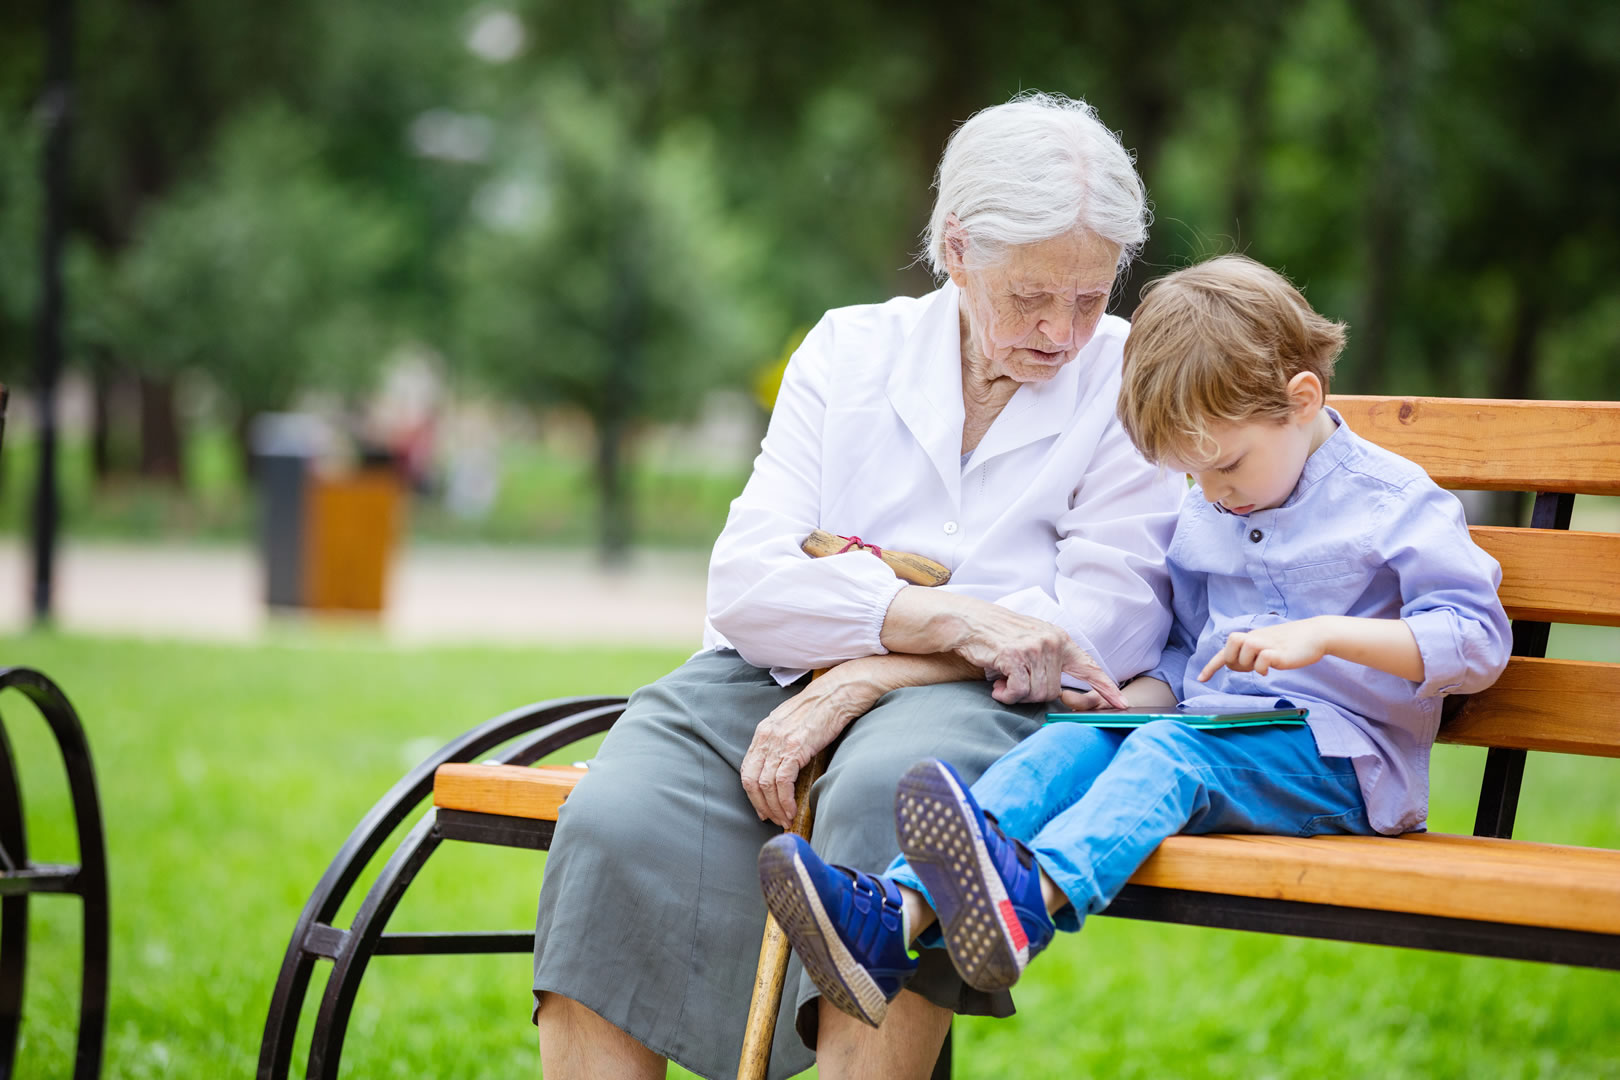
[1325, 458]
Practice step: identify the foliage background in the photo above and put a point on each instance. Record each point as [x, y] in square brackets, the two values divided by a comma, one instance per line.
[614, 209]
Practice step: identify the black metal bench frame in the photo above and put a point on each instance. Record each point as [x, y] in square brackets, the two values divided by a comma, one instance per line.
[20, 878]
[534, 732]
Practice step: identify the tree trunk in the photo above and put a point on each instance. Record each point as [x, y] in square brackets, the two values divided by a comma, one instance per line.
[1254, 118]
[614, 516]
[160, 431]
[1516, 377]
[616, 405]
[100, 421]
[242, 435]
[1145, 127]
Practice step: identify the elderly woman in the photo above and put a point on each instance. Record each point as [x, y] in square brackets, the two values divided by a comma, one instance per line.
[974, 425]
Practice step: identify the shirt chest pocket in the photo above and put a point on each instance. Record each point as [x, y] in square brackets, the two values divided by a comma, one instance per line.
[1329, 587]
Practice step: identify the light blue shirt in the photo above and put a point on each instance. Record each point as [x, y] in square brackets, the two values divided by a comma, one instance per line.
[1365, 533]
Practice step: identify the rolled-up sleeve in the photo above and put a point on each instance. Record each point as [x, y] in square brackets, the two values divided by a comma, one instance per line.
[774, 604]
[1448, 596]
[1112, 589]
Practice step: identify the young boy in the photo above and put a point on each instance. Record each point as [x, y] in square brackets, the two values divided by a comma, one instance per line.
[1307, 565]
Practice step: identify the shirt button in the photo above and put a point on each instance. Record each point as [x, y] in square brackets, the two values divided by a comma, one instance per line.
[950, 528]
[1256, 535]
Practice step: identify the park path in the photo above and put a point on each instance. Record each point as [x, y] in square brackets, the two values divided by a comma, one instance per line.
[437, 594]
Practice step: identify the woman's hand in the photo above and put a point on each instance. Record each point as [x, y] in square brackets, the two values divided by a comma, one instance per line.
[800, 728]
[1030, 654]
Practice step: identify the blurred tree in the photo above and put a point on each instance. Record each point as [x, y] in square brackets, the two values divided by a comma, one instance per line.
[621, 290]
[1526, 137]
[618, 206]
[161, 80]
[262, 270]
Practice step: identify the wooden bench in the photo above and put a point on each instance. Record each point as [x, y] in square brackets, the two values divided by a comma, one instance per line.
[1484, 894]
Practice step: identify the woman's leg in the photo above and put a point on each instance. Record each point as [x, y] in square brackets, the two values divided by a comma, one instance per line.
[904, 1048]
[650, 911]
[577, 1044]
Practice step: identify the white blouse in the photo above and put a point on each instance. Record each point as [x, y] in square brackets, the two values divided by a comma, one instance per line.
[1054, 514]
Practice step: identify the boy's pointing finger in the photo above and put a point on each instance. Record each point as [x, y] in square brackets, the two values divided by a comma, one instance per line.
[1232, 649]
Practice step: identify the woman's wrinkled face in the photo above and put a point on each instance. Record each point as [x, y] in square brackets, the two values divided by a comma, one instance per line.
[1032, 312]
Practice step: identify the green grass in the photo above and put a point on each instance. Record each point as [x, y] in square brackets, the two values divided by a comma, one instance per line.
[544, 497]
[230, 776]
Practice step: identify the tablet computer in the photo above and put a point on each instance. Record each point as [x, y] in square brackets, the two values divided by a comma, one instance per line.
[1203, 716]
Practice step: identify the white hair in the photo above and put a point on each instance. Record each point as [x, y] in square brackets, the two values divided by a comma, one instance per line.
[1031, 170]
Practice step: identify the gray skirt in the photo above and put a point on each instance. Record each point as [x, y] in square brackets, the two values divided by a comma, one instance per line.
[650, 912]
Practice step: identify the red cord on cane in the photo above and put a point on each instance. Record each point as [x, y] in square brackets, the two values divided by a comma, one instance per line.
[855, 542]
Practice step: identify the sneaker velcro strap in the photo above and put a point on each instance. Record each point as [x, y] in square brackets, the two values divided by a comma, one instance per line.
[891, 895]
[881, 889]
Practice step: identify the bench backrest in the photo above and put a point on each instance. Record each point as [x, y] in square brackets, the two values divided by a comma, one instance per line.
[1556, 450]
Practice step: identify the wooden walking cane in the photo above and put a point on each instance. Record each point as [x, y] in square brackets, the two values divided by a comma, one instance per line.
[774, 949]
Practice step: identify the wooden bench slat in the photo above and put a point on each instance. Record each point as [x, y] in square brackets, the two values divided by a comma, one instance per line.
[1463, 877]
[1552, 575]
[1567, 706]
[513, 790]
[1530, 446]
[1507, 852]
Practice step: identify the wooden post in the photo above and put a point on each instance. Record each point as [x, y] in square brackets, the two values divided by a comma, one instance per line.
[774, 950]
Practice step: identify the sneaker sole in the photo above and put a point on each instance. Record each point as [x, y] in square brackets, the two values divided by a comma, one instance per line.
[939, 835]
[792, 899]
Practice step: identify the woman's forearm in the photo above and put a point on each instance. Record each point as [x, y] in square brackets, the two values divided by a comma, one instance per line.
[923, 622]
[875, 676]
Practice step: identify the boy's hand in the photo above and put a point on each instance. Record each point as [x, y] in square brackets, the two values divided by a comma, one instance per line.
[1286, 645]
[1381, 644]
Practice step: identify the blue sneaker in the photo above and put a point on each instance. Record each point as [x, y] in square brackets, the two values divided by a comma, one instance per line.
[985, 887]
[845, 926]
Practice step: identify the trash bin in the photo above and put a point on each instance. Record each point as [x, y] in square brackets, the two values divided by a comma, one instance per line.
[327, 538]
[352, 523]
[284, 447]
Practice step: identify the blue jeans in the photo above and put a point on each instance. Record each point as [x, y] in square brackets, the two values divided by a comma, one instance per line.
[1093, 804]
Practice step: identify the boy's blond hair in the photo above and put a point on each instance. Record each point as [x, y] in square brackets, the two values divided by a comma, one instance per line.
[1217, 343]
